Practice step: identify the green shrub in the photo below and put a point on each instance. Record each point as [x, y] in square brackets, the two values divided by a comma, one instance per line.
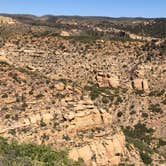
[43, 124]
[164, 102]
[31, 92]
[105, 100]
[144, 114]
[12, 131]
[63, 80]
[124, 164]
[132, 106]
[146, 158]
[4, 63]
[132, 112]
[94, 95]
[139, 92]
[39, 96]
[4, 108]
[140, 145]
[5, 95]
[161, 142]
[118, 100]
[96, 91]
[140, 131]
[157, 93]
[160, 93]
[60, 95]
[155, 108]
[149, 57]
[7, 116]
[119, 114]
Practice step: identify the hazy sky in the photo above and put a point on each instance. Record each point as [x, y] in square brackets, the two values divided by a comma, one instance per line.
[112, 8]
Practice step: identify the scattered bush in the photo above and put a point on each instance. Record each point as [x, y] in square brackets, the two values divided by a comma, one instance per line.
[161, 143]
[105, 100]
[164, 102]
[43, 124]
[146, 158]
[157, 93]
[132, 106]
[139, 92]
[12, 131]
[124, 164]
[140, 131]
[144, 114]
[96, 91]
[118, 100]
[39, 96]
[132, 112]
[4, 63]
[155, 108]
[5, 95]
[4, 108]
[60, 95]
[31, 92]
[149, 57]
[119, 114]
[7, 116]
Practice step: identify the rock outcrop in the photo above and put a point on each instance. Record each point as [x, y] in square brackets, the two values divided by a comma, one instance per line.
[7, 20]
[141, 84]
[85, 116]
[65, 34]
[104, 152]
[3, 59]
[105, 80]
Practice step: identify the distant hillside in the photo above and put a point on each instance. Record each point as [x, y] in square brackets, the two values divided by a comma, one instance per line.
[154, 27]
[157, 28]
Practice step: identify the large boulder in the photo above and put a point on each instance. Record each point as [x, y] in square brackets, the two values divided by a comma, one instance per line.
[107, 81]
[60, 86]
[114, 82]
[141, 84]
[65, 34]
[4, 59]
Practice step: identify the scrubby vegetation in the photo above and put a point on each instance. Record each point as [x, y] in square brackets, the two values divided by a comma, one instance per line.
[156, 29]
[141, 137]
[106, 95]
[157, 93]
[14, 154]
[96, 91]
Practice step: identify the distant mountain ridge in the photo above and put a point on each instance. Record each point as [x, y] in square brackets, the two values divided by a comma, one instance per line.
[155, 27]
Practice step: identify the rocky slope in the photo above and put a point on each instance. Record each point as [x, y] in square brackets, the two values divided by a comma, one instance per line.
[102, 98]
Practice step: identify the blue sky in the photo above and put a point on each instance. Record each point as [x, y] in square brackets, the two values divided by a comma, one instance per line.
[112, 8]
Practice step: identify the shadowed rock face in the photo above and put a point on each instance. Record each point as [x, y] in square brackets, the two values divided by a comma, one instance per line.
[72, 85]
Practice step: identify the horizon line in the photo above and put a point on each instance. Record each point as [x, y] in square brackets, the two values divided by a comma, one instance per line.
[68, 15]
